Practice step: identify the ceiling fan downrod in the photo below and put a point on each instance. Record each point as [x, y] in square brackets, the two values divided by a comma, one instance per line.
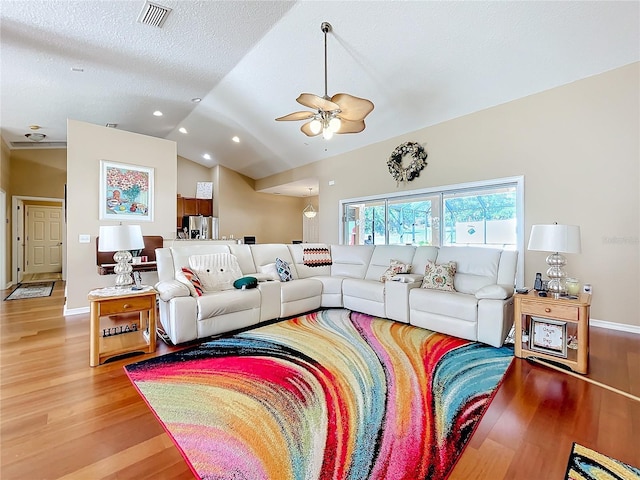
[326, 28]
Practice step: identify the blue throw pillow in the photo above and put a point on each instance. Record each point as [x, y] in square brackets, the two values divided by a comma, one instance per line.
[284, 271]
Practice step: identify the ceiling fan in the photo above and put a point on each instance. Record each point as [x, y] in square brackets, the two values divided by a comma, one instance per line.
[342, 113]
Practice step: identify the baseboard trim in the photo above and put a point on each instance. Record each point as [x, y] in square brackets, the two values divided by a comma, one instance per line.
[74, 311]
[621, 327]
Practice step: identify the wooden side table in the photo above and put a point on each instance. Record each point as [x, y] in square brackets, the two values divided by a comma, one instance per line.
[555, 329]
[122, 321]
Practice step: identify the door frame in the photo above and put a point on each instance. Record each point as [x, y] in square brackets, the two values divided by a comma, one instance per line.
[3, 240]
[18, 227]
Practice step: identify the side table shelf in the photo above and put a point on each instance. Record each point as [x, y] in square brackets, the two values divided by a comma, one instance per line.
[122, 321]
[555, 329]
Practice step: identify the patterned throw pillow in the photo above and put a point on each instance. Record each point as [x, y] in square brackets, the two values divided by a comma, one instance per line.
[191, 280]
[284, 271]
[439, 277]
[395, 267]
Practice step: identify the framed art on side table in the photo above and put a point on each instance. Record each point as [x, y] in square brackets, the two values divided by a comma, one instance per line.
[126, 192]
[548, 336]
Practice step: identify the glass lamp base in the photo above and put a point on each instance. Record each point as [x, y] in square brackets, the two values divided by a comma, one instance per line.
[123, 269]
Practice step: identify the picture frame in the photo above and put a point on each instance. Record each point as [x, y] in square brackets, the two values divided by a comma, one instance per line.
[548, 336]
[126, 192]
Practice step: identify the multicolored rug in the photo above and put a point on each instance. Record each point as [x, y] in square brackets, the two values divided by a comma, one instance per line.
[329, 395]
[587, 464]
[31, 290]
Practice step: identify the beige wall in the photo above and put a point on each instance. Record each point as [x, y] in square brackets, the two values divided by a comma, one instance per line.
[243, 211]
[87, 145]
[189, 174]
[577, 147]
[39, 172]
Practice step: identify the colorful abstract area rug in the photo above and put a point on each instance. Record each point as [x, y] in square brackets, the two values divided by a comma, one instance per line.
[329, 395]
[587, 464]
[31, 290]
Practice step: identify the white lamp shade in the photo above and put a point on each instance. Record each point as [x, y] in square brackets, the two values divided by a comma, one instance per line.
[115, 238]
[555, 238]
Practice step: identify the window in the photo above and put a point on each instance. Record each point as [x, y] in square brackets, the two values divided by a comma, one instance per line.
[482, 213]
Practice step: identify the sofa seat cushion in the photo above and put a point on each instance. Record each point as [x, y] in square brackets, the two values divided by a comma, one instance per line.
[330, 285]
[213, 304]
[301, 288]
[365, 289]
[451, 304]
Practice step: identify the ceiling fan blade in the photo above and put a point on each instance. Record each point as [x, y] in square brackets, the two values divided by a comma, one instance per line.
[295, 116]
[352, 108]
[306, 129]
[314, 101]
[351, 126]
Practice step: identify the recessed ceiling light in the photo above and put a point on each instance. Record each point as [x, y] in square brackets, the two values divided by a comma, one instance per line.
[157, 113]
[77, 69]
[182, 130]
[206, 156]
[236, 139]
[111, 125]
[196, 100]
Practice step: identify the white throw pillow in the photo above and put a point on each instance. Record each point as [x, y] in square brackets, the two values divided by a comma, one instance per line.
[270, 271]
[216, 271]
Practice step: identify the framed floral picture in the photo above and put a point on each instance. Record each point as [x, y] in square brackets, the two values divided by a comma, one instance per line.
[126, 192]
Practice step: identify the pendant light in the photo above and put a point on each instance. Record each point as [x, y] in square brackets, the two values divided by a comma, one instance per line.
[309, 211]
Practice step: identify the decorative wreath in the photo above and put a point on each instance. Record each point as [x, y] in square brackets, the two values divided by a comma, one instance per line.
[406, 174]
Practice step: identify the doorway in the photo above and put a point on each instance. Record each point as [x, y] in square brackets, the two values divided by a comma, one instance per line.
[38, 238]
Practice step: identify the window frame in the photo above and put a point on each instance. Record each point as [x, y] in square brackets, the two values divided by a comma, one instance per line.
[441, 191]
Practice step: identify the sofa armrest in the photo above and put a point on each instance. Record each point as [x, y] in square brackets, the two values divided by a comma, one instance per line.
[168, 289]
[495, 292]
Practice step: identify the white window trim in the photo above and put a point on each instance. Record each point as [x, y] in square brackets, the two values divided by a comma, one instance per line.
[518, 180]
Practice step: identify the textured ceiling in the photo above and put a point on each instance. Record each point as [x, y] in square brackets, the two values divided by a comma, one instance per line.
[419, 62]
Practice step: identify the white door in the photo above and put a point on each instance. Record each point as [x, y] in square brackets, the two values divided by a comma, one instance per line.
[43, 239]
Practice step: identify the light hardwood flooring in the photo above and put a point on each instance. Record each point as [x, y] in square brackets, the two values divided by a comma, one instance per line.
[61, 418]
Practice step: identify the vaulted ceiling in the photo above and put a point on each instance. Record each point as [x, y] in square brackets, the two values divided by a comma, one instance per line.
[419, 62]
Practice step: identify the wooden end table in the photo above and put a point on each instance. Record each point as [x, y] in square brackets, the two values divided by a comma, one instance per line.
[555, 329]
[122, 321]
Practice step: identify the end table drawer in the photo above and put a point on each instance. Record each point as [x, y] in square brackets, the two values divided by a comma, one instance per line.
[564, 312]
[124, 305]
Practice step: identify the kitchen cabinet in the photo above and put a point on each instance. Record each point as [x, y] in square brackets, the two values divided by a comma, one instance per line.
[193, 206]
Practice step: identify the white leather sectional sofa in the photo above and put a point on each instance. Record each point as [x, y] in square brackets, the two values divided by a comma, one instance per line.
[480, 308]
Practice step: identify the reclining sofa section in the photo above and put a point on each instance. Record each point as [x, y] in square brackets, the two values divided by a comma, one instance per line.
[479, 307]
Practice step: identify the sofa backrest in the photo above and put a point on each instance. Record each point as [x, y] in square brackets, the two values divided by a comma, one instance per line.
[477, 267]
[245, 258]
[508, 267]
[306, 271]
[422, 254]
[266, 253]
[170, 259]
[350, 260]
[382, 256]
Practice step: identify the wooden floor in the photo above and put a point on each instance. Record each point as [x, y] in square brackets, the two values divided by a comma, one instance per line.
[64, 419]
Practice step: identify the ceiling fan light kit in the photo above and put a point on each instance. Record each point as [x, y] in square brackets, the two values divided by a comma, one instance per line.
[342, 113]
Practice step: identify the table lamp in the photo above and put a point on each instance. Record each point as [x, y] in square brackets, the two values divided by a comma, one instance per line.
[121, 239]
[558, 239]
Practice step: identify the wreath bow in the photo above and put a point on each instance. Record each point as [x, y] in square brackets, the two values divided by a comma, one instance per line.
[406, 174]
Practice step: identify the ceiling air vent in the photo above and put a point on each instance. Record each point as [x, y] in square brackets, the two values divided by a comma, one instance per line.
[153, 14]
